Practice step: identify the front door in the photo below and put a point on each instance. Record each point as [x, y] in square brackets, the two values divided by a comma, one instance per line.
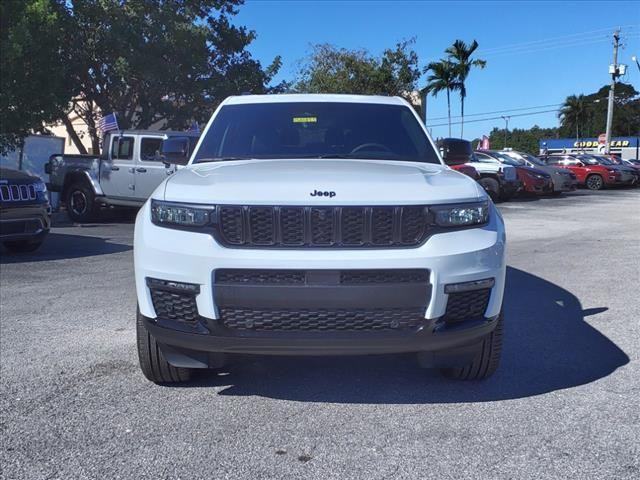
[150, 171]
[117, 171]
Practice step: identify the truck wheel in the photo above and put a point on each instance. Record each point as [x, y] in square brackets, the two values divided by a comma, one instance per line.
[152, 361]
[22, 247]
[486, 360]
[80, 203]
[594, 182]
[491, 186]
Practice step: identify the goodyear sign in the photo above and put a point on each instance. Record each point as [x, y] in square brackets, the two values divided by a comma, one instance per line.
[595, 144]
[569, 143]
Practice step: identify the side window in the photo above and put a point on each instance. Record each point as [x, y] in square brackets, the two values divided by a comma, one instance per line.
[150, 149]
[122, 148]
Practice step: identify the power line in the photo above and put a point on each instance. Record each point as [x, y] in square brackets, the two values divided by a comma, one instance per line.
[551, 39]
[493, 118]
[499, 111]
[542, 48]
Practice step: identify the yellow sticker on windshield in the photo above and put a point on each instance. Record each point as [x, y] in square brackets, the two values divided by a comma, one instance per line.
[305, 119]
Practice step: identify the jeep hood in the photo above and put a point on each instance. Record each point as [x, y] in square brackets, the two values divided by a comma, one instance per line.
[293, 181]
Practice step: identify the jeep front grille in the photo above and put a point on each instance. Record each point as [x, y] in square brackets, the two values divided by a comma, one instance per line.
[322, 227]
[17, 193]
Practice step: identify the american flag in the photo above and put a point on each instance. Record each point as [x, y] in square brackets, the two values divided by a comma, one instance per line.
[107, 123]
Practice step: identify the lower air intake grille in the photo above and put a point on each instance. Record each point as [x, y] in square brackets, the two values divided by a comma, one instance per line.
[175, 305]
[321, 320]
[467, 305]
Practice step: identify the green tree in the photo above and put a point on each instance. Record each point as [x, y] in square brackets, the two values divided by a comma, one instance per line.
[35, 67]
[593, 121]
[443, 77]
[524, 140]
[328, 69]
[158, 62]
[461, 55]
[574, 112]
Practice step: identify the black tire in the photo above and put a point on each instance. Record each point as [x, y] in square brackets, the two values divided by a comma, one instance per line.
[491, 186]
[152, 362]
[22, 246]
[80, 202]
[486, 360]
[594, 182]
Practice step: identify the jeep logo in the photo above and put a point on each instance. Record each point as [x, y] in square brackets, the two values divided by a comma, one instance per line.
[318, 193]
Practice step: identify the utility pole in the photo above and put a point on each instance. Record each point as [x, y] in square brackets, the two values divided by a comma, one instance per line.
[613, 70]
[506, 129]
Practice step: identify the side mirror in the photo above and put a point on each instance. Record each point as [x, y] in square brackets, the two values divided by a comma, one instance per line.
[455, 151]
[579, 164]
[175, 151]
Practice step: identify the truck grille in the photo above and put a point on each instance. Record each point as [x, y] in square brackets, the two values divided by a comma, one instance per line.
[17, 193]
[321, 319]
[338, 227]
[467, 305]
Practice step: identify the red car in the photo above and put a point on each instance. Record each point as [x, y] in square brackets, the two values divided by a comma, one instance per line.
[467, 170]
[534, 180]
[588, 172]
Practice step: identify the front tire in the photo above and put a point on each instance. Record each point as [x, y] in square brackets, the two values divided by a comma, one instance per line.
[486, 360]
[595, 182]
[80, 201]
[152, 362]
[492, 187]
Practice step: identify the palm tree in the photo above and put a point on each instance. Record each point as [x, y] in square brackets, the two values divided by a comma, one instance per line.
[460, 53]
[573, 111]
[443, 77]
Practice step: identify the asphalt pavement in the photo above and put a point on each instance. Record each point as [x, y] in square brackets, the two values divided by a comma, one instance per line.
[565, 402]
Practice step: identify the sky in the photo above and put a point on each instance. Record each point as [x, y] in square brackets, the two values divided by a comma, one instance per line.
[537, 53]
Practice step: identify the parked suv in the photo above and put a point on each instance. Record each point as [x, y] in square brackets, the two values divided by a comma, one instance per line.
[564, 180]
[534, 180]
[589, 172]
[25, 214]
[130, 168]
[318, 225]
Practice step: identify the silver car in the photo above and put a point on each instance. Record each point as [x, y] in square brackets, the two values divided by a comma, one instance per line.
[564, 180]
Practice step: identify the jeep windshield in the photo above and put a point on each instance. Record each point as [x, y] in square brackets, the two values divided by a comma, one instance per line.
[316, 130]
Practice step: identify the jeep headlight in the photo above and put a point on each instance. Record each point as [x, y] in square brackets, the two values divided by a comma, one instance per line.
[40, 187]
[462, 215]
[180, 215]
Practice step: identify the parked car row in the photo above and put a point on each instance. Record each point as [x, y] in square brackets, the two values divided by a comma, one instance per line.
[134, 163]
[545, 175]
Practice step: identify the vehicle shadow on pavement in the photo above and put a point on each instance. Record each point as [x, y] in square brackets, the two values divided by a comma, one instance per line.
[548, 346]
[59, 246]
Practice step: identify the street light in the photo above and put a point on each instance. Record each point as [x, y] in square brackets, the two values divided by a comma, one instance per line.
[506, 129]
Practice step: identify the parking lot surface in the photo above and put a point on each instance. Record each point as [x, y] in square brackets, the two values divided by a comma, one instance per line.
[563, 404]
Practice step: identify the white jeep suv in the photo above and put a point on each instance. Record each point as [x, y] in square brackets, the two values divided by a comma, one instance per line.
[318, 225]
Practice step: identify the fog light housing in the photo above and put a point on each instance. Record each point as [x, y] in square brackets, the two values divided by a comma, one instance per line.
[188, 288]
[468, 286]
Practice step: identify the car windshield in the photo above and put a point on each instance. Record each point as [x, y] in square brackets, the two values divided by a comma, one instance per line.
[589, 160]
[316, 130]
[505, 158]
[532, 159]
[602, 160]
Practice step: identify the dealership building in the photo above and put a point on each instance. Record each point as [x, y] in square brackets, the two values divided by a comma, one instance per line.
[625, 147]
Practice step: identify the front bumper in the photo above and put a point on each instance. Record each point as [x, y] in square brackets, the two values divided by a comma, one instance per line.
[24, 222]
[451, 258]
